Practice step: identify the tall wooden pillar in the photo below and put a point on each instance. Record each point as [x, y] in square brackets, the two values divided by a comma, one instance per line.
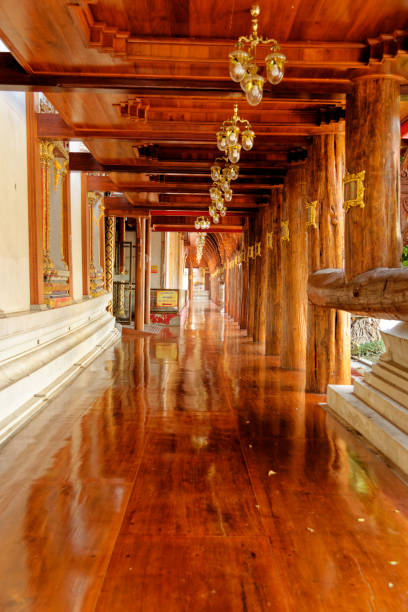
[245, 282]
[328, 330]
[294, 271]
[148, 256]
[190, 285]
[140, 274]
[252, 289]
[122, 230]
[373, 236]
[260, 276]
[273, 332]
[109, 256]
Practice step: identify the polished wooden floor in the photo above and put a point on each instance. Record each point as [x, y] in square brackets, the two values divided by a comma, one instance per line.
[188, 473]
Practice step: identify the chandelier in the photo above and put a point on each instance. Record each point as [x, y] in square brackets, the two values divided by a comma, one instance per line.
[221, 192]
[243, 68]
[202, 223]
[201, 236]
[229, 135]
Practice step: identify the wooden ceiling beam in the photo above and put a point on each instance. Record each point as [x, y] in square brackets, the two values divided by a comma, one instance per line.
[236, 229]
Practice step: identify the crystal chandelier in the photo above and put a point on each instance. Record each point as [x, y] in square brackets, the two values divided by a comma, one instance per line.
[202, 223]
[221, 192]
[243, 68]
[201, 236]
[229, 135]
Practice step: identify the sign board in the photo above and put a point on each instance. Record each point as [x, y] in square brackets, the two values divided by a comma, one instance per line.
[155, 269]
[167, 298]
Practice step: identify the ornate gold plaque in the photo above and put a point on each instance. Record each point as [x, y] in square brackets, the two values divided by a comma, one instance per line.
[311, 214]
[285, 236]
[353, 190]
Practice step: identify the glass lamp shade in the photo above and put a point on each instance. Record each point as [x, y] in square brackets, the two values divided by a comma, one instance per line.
[253, 87]
[238, 61]
[275, 63]
[228, 195]
[232, 136]
[224, 184]
[234, 153]
[216, 218]
[197, 224]
[212, 210]
[214, 193]
[248, 139]
[222, 141]
[215, 172]
[233, 172]
[223, 212]
[219, 205]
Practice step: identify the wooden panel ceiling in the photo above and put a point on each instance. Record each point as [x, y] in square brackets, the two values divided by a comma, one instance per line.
[145, 84]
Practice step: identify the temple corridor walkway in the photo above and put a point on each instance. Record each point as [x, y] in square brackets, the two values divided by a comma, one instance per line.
[188, 473]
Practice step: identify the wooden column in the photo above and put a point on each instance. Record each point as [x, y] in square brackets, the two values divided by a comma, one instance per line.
[148, 255]
[328, 330]
[122, 236]
[190, 285]
[139, 274]
[252, 289]
[261, 277]
[373, 237]
[245, 282]
[273, 331]
[109, 256]
[294, 272]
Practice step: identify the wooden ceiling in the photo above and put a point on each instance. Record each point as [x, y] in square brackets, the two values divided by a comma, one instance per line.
[145, 85]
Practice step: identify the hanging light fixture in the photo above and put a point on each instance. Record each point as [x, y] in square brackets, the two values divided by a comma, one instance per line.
[228, 137]
[202, 223]
[201, 236]
[243, 68]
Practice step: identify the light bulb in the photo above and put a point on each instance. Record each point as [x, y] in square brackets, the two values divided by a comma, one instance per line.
[222, 141]
[197, 224]
[223, 212]
[233, 136]
[234, 153]
[215, 172]
[253, 87]
[275, 63]
[224, 184]
[212, 210]
[214, 193]
[233, 172]
[248, 139]
[237, 64]
[219, 205]
[216, 218]
[228, 195]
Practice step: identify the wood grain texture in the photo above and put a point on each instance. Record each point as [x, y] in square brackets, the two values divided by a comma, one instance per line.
[294, 272]
[328, 331]
[188, 472]
[373, 145]
[273, 332]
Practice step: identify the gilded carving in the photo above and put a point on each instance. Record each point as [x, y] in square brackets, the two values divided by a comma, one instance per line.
[354, 190]
[311, 214]
[285, 236]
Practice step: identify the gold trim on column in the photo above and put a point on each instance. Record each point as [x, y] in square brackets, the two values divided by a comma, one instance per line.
[311, 214]
[285, 235]
[354, 190]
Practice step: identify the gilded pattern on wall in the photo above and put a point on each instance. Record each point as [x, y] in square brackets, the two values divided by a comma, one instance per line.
[311, 214]
[54, 161]
[96, 274]
[109, 256]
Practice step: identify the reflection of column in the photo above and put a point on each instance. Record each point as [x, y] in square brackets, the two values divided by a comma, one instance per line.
[139, 274]
[109, 256]
[148, 248]
[190, 284]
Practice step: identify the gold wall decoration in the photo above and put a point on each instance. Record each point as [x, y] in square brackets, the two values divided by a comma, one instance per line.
[311, 214]
[285, 236]
[251, 252]
[258, 249]
[269, 240]
[109, 256]
[354, 190]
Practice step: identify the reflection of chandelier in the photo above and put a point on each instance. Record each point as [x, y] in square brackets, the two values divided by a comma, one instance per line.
[202, 223]
[243, 68]
[201, 236]
[229, 134]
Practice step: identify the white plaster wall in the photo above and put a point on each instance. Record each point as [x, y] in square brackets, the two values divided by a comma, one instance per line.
[76, 234]
[14, 252]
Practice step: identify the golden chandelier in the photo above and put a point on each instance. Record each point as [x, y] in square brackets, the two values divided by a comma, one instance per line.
[243, 68]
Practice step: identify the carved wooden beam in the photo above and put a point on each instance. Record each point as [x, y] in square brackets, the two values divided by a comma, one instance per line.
[381, 293]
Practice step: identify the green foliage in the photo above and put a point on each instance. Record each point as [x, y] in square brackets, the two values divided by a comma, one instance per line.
[405, 256]
[368, 349]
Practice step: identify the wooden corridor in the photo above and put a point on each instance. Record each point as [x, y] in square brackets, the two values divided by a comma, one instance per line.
[190, 473]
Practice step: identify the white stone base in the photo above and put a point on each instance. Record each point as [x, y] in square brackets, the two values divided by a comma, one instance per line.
[41, 351]
[377, 406]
